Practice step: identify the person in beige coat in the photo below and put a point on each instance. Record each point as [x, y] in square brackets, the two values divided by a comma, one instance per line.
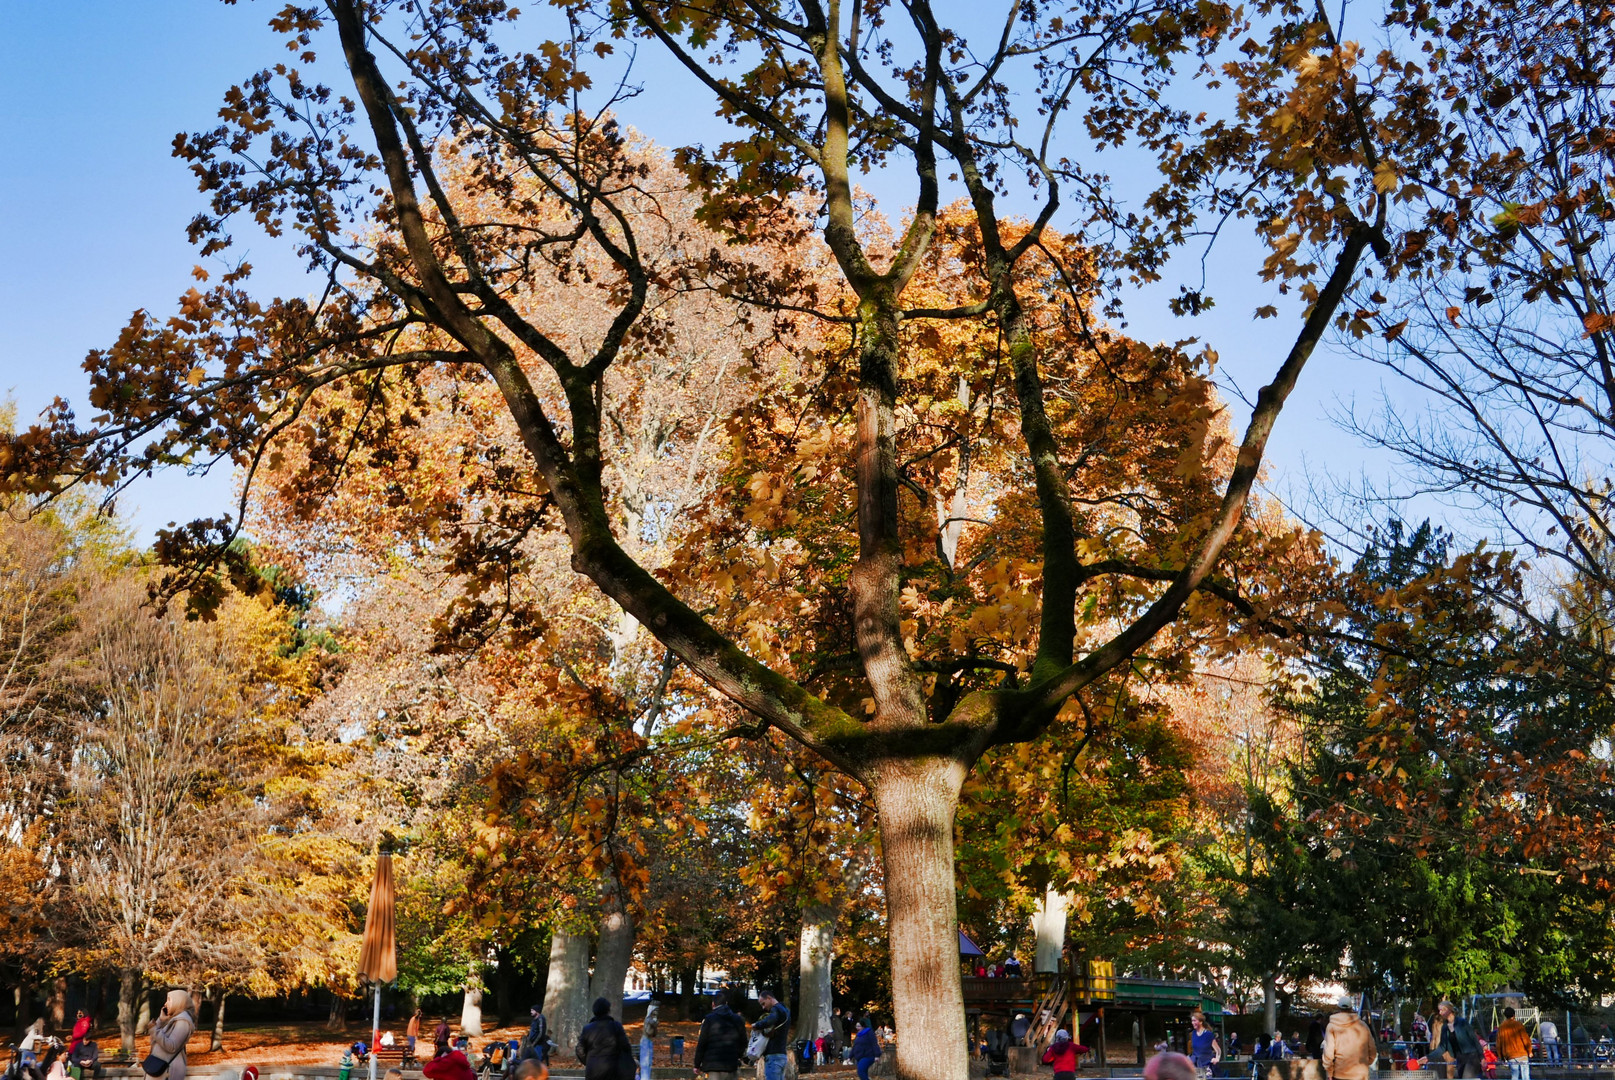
[172, 1031]
[1348, 1047]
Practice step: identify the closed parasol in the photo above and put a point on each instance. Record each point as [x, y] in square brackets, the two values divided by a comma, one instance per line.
[378, 952]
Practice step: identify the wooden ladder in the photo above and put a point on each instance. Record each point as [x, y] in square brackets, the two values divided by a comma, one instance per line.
[1048, 1011]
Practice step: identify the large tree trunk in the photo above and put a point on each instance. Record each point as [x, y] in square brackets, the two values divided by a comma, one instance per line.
[916, 800]
[128, 1002]
[219, 998]
[471, 1005]
[1270, 1003]
[1048, 923]
[501, 983]
[612, 954]
[566, 991]
[143, 1017]
[818, 950]
[337, 1018]
[686, 979]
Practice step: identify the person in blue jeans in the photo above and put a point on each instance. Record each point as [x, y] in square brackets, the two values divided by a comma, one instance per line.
[776, 1024]
[865, 1048]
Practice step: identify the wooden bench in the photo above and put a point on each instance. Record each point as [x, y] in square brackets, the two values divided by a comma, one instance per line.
[394, 1056]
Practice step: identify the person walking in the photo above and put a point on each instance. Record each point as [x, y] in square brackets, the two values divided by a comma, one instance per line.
[1461, 1042]
[1348, 1050]
[412, 1032]
[1315, 1038]
[603, 1046]
[1441, 1040]
[1064, 1055]
[1514, 1046]
[170, 1034]
[721, 1043]
[536, 1043]
[1205, 1049]
[647, 1042]
[775, 1023]
[440, 1038]
[1548, 1031]
[865, 1048]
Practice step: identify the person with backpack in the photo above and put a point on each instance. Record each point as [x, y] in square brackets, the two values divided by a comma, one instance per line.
[603, 1047]
[775, 1026]
[722, 1043]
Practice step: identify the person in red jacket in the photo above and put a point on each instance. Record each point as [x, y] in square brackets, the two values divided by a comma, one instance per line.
[450, 1066]
[81, 1028]
[1064, 1054]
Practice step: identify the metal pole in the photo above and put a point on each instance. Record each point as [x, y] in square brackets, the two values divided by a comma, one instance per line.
[375, 1032]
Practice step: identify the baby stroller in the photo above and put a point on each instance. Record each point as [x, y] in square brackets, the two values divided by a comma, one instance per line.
[998, 1052]
[496, 1057]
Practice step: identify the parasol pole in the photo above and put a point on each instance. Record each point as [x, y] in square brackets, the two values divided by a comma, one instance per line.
[375, 1029]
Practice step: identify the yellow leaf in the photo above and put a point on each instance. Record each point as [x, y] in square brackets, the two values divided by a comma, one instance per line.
[1386, 178]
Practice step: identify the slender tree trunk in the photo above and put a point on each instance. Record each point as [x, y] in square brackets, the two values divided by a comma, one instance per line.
[916, 800]
[143, 1018]
[337, 1018]
[1270, 1003]
[219, 998]
[56, 1006]
[471, 1005]
[128, 995]
[19, 1003]
[566, 991]
[612, 954]
[818, 950]
[1048, 923]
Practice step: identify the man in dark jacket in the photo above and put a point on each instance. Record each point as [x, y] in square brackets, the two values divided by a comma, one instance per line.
[603, 1047]
[722, 1043]
[536, 1044]
[776, 1024]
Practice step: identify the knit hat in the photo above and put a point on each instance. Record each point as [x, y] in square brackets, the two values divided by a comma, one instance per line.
[1062, 1035]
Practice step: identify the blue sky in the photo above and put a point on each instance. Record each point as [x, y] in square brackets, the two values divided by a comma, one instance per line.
[95, 210]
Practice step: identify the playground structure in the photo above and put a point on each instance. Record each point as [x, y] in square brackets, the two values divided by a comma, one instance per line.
[1099, 1008]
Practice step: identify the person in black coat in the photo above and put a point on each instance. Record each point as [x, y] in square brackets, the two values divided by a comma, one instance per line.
[1315, 1038]
[603, 1046]
[722, 1043]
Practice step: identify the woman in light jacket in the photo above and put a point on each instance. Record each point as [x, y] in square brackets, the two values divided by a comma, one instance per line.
[172, 1031]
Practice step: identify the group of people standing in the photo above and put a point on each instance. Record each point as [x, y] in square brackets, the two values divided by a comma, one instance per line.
[724, 1045]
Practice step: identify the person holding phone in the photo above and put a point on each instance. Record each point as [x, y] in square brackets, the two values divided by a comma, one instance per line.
[169, 1035]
